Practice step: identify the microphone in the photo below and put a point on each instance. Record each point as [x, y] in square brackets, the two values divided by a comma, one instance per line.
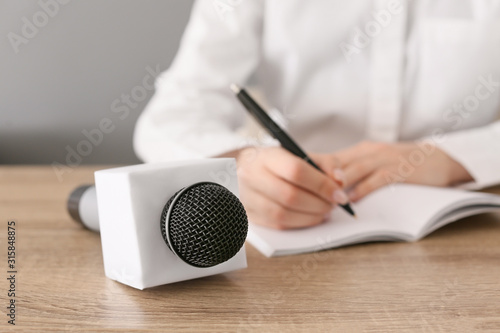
[161, 223]
[82, 206]
[203, 224]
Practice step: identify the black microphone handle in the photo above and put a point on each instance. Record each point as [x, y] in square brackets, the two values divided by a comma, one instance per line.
[82, 206]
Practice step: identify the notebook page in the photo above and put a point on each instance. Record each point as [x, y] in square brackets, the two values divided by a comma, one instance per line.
[397, 211]
[420, 205]
[372, 220]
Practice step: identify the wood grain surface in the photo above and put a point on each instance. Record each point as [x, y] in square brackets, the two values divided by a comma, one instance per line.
[448, 282]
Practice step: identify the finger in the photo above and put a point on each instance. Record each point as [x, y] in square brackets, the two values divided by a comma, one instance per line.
[361, 169]
[340, 177]
[266, 212]
[368, 185]
[348, 155]
[299, 173]
[290, 196]
[330, 164]
[327, 162]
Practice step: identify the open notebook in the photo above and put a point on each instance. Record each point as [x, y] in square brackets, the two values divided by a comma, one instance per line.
[397, 212]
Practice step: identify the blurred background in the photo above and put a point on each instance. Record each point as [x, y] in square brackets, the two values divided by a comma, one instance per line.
[75, 75]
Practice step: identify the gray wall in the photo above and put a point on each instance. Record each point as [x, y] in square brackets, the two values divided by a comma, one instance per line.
[72, 69]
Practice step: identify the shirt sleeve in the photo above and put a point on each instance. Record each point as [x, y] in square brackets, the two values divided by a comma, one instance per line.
[478, 150]
[193, 113]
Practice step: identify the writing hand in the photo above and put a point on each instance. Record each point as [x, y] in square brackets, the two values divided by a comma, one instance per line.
[282, 191]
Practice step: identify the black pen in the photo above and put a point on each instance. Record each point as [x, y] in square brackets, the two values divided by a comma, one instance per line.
[279, 134]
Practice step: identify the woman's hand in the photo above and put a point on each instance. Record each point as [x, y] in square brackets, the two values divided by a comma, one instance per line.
[371, 165]
[282, 191]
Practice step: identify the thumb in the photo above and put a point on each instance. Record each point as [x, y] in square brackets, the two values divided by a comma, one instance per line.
[330, 165]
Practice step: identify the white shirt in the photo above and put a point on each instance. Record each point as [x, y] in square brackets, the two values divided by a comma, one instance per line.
[340, 72]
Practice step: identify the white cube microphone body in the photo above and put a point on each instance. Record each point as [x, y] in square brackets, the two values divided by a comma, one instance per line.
[131, 202]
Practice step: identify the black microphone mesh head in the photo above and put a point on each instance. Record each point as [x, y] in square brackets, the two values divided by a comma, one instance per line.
[204, 224]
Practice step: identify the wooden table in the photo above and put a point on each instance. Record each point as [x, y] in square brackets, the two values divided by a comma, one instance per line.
[448, 282]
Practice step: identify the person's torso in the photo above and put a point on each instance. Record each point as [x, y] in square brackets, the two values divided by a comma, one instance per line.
[343, 71]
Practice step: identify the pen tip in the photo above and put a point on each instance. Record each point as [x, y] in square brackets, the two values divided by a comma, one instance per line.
[234, 87]
[347, 208]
